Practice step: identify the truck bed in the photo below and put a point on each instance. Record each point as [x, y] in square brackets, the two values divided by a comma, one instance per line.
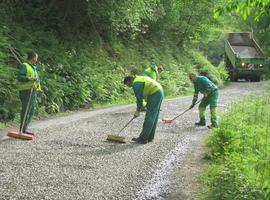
[243, 57]
[246, 51]
[244, 45]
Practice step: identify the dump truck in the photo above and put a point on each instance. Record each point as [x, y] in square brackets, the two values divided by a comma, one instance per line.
[244, 59]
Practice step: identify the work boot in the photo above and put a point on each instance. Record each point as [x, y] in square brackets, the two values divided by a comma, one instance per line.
[143, 141]
[212, 126]
[29, 133]
[135, 139]
[200, 123]
[140, 140]
[143, 109]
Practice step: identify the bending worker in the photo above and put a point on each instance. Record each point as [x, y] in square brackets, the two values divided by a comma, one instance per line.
[28, 87]
[146, 88]
[210, 97]
[152, 72]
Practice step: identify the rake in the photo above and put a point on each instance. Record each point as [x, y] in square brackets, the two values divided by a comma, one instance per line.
[170, 120]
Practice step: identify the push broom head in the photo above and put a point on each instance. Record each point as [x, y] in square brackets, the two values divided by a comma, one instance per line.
[116, 138]
[21, 136]
[167, 120]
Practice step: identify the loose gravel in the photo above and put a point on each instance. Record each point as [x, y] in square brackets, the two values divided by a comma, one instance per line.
[70, 158]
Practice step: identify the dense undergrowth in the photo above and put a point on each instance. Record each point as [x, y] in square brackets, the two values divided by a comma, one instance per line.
[79, 76]
[240, 153]
[72, 78]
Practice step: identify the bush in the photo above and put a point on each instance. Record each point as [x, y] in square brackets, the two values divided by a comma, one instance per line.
[240, 154]
[82, 73]
[217, 74]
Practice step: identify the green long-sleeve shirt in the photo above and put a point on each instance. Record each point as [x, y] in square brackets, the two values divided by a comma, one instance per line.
[138, 88]
[203, 85]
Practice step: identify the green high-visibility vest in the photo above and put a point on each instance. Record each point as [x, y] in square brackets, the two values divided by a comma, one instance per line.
[150, 85]
[30, 73]
[150, 72]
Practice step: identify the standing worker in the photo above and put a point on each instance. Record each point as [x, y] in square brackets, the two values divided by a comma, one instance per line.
[152, 72]
[150, 90]
[210, 96]
[29, 85]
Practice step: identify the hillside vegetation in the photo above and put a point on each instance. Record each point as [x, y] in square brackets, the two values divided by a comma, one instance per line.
[86, 47]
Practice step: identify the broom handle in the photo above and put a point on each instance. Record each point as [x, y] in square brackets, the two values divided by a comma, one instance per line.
[181, 114]
[27, 108]
[126, 125]
[187, 110]
[14, 54]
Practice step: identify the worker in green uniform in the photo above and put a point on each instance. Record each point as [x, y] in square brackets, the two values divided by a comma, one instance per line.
[210, 97]
[152, 72]
[28, 85]
[146, 88]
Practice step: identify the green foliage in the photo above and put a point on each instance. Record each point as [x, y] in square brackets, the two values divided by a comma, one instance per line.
[184, 21]
[255, 8]
[7, 84]
[240, 153]
[86, 47]
[217, 74]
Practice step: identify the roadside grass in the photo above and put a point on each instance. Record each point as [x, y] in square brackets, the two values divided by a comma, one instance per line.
[240, 153]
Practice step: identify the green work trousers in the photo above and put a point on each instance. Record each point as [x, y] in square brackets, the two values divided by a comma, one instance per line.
[212, 101]
[27, 117]
[151, 116]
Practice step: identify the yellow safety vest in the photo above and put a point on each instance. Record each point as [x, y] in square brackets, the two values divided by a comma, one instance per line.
[30, 73]
[150, 85]
[150, 72]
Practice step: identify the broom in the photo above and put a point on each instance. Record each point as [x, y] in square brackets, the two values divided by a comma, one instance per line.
[20, 135]
[118, 137]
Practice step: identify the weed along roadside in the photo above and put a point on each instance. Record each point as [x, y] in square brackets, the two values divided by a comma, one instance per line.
[239, 153]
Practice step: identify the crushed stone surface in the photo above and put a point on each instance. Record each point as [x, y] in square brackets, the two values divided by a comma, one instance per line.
[70, 158]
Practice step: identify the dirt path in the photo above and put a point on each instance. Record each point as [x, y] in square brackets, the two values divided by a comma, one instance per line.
[71, 160]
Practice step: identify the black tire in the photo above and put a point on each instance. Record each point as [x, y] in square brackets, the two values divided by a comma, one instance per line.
[258, 78]
[230, 69]
[233, 77]
[255, 78]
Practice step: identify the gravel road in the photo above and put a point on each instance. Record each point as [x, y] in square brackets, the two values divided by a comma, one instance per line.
[70, 158]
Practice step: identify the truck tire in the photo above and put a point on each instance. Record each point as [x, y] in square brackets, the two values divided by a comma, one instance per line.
[233, 77]
[255, 78]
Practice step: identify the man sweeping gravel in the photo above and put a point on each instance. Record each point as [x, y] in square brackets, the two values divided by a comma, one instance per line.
[210, 97]
[150, 90]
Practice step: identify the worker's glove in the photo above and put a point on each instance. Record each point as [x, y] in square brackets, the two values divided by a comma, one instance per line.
[136, 114]
[40, 91]
[191, 106]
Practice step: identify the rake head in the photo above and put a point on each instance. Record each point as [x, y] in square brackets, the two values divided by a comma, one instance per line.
[21, 136]
[167, 120]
